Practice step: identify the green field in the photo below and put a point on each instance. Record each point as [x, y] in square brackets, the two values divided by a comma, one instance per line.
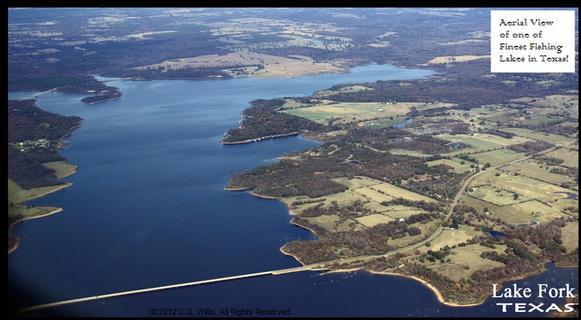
[497, 157]
[542, 136]
[384, 122]
[495, 194]
[526, 212]
[398, 192]
[411, 153]
[16, 194]
[373, 195]
[524, 186]
[537, 170]
[481, 141]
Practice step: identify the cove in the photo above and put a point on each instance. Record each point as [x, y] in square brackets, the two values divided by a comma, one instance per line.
[147, 208]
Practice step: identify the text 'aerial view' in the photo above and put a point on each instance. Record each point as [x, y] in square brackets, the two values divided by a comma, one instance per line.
[293, 162]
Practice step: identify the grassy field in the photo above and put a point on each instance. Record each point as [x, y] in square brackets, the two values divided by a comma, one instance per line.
[455, 163]
[480, 141]
[464, 261]
[411, 153]
[373, 195]
[350, 112]
[374, 219]
[452, 237]
[546, 201]
[537, 170]
[497, 157]
[495, 194]
[274, 66]
[357, 182]
[542, 136]
[31, 212]
[398, 192]
[333, 223]
[525, 212]
[569, 156]
[453, 59]
[369, 191]
[380, 187]
[569, 103]
[570, 236]
[16, 194]
[524, 186]
[383, 123]
[61, 168]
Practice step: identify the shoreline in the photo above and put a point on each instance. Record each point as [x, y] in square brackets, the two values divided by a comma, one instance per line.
[430, 286]
[56, 188]
[61, 143]
[14, 223]
[433, 288]
[102, 100]
[274, 136]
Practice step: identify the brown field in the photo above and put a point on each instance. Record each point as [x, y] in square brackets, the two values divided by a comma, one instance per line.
[453, 59]
[570, 236]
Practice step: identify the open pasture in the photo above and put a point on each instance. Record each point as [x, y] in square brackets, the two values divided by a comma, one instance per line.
[542, 136]
[458, 165]
[496, 157]
[495, 194]
[536, 170]
[353, 112]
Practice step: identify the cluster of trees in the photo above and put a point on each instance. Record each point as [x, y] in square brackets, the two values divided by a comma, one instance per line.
[109, 95]
[311, 177]
[27, 172]
[28, 122]
[530, 147]
[477, 91]
[66, 83]
[262, 120]
[174, 74]
[496, 132]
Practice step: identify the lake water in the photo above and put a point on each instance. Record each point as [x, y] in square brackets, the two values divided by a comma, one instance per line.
[147, 208]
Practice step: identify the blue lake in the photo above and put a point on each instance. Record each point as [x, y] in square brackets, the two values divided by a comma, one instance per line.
[147, 208]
